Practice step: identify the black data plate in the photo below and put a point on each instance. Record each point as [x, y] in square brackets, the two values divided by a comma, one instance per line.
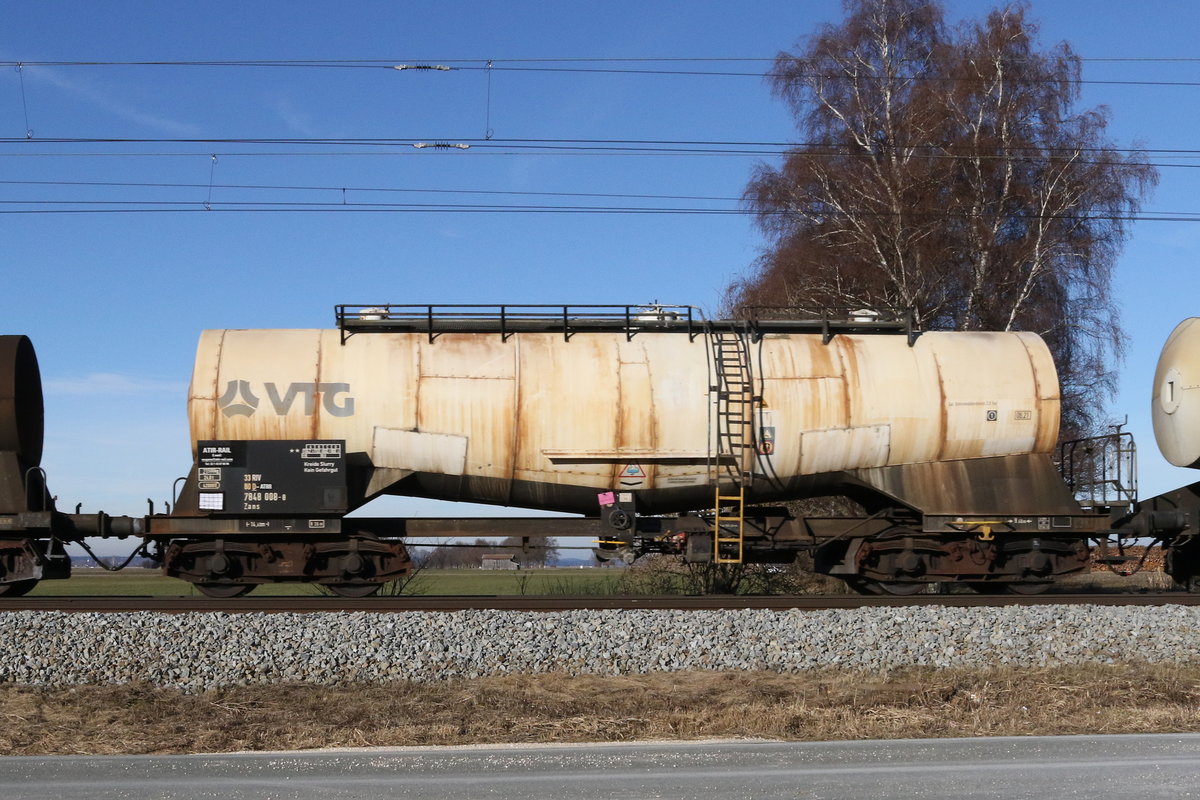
[306, 476]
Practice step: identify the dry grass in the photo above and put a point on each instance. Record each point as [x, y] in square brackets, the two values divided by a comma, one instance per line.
[1104, 581]
[557, 708]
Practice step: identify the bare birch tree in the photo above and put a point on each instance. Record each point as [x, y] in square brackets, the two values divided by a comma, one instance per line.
[947, 171]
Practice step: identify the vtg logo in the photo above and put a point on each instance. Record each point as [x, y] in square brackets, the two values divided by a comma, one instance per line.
[239, 400]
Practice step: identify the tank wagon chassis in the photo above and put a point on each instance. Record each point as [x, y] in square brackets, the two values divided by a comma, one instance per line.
[896, 552]
[255, 511]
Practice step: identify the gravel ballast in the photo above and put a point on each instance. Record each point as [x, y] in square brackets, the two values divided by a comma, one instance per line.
[201, 651]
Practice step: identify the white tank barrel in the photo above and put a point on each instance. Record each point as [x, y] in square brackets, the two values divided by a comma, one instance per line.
[540, 420]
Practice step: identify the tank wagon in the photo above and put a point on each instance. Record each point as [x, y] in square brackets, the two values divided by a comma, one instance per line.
[665, 432]
[1175, 412]
[33, 532]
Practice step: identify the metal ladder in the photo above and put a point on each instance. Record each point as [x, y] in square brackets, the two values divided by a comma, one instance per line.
[731, 468]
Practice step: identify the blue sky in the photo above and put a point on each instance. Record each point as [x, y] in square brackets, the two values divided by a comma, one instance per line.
[115, 301]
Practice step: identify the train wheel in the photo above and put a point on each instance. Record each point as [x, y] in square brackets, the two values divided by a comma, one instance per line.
[1026, 588]
[224, 590]
[16, 588]
[354, 589]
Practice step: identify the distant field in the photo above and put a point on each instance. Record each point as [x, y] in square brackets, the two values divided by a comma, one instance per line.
[151, 583]
[563, 581]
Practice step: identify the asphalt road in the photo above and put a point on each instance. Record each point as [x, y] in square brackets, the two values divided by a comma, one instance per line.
[1060, 768]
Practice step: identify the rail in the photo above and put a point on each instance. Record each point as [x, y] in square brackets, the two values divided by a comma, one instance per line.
[409, 603]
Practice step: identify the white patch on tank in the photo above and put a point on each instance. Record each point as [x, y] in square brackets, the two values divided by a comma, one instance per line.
[844, 448]
[1007, 446]
[438, 453]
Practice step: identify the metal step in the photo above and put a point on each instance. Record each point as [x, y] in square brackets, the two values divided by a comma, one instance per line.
[735, 542]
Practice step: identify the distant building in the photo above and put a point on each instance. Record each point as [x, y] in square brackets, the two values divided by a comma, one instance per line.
[499, 561]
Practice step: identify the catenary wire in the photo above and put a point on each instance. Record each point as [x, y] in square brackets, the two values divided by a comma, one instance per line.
[105, 206]
[265, 187]
[499, 65]
[483, 61]
[585, 154]
[654, 146]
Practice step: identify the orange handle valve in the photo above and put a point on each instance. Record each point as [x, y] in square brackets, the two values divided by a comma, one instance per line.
[678, 541]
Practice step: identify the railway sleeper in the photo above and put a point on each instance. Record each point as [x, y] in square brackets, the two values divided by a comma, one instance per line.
[356, 566]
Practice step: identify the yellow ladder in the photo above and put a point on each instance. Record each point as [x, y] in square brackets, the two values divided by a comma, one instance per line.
[723, 524]
[733, 412]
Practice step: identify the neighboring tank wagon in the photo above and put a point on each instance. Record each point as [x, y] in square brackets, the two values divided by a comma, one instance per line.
[33, 532]
[1175, 412]
[1175, 403]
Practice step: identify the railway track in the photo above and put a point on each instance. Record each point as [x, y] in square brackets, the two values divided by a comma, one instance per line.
[308, 605]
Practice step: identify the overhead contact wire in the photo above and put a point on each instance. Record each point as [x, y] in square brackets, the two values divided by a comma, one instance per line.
[490, 65]
[103, 207]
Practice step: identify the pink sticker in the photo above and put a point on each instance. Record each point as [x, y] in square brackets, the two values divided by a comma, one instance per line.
[606, 498]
